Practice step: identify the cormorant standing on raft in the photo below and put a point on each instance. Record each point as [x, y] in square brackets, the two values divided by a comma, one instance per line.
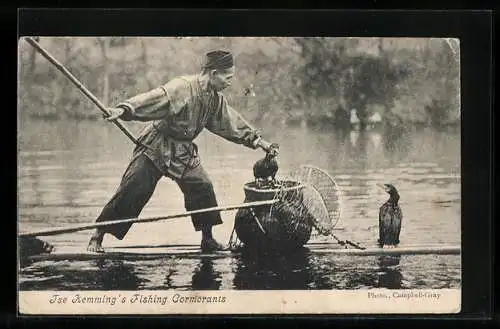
[390, 218]
[30, 246]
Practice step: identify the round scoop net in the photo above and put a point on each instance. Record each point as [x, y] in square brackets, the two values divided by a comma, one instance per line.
[318, 201]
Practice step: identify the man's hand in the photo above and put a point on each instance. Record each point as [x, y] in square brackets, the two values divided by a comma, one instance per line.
[271, 148]
[274, 149]
[114, 113]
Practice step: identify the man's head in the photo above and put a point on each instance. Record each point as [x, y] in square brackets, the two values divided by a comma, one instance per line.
[219, 66]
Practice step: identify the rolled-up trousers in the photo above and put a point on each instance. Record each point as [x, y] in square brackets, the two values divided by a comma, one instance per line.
[137, 186]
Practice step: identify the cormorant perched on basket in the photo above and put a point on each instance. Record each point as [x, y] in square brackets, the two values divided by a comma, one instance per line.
[390, 218]
[265, 169]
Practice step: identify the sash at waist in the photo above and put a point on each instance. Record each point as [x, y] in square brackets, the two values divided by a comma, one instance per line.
[171, 154]
[181, 137]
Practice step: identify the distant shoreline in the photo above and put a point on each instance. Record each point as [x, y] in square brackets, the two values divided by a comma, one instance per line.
[310, 121]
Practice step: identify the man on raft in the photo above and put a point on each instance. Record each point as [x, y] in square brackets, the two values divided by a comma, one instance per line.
[178, 111]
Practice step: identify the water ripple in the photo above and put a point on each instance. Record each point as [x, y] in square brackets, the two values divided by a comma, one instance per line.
[61, 186]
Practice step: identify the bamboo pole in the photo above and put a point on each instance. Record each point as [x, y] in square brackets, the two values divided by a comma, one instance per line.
[105, 88]
[82, 227]
[398, 251]
[80, 86]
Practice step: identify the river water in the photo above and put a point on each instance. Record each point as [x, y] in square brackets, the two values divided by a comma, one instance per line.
[68, 170]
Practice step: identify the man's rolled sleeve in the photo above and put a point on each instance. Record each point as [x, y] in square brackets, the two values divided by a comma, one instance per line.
[230, 125]
[157, 103]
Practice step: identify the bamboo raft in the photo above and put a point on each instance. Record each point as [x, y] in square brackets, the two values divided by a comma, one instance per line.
[193, 251]
[148, 252]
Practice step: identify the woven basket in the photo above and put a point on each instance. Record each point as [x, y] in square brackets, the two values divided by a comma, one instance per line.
[276, 226]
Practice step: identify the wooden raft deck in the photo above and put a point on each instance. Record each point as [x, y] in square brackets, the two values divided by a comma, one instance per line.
[193, 251]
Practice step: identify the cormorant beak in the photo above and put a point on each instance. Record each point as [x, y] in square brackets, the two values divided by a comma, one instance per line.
[384, 187]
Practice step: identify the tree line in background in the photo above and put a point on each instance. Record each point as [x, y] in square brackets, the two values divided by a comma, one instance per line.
[280, 80]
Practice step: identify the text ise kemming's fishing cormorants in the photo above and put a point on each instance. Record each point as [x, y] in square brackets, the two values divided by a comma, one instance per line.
[390, 218]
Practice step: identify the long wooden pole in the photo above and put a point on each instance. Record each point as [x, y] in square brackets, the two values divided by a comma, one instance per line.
[82, 227]
[80, 86]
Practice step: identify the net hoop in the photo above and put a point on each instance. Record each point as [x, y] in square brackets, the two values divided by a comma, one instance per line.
[320, 197]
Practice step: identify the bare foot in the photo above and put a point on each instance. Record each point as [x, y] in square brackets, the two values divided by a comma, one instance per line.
[211, 245]
[95, 243]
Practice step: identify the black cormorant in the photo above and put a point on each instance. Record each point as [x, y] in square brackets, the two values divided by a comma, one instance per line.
[266, 168]
[390, 218]
[29, 246]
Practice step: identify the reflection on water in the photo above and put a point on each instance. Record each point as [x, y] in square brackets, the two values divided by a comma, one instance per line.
[389, 272]
[205, 276]
[302, 270]
[69, 170]
[277, 272]
[77, 275]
